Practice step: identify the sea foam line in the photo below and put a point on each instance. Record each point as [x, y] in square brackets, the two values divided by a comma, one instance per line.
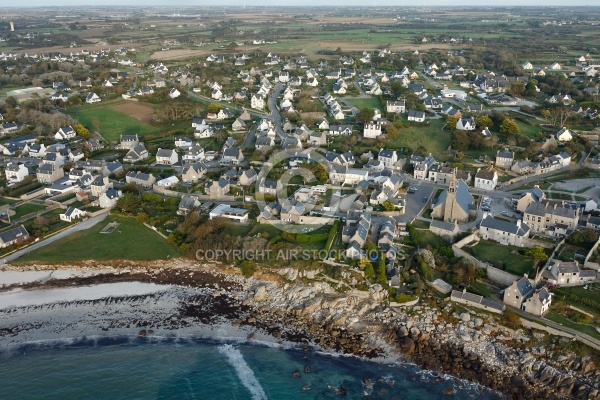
[244, 372]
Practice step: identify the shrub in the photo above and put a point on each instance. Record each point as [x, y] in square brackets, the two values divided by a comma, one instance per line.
[248, 268]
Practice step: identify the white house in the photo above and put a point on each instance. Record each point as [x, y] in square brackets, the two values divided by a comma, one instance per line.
[16, 173]
[555, 66]
[174, 93]
[257, 101]
[226, 211]
[504, 232]
[72, 214]
[168, 182]
[416, 116]
[166, 157]
[564, 135]
[486, 180]
[372, 130]
[398, 107]
[64, 133]
[92, 98]
[465, 124]
[527, 65]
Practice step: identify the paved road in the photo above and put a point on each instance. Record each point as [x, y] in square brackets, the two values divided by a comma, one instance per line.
[75, 228]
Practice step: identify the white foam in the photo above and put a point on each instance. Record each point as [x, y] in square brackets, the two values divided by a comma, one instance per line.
[24, 298]
[244, 372]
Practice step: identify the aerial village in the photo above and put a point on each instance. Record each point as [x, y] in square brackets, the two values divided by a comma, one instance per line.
[411, 154]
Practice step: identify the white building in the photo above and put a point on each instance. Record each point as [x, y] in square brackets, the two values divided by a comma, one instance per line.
[486, 180]
[372, 130]
[226, 211]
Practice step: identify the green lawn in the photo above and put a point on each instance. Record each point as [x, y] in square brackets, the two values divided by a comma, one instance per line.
[561, 319]
[592, 293]
[130, 241]
[27, 208]
[372, 102]
[430, 136]
[111, 123]
[488, 251]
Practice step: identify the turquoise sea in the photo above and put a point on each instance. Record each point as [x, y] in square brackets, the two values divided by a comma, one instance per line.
[144, 368]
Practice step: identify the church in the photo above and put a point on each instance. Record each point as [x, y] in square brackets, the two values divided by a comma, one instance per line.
[454, 204]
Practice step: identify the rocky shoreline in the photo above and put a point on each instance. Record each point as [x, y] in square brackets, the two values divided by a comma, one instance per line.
[466, 345]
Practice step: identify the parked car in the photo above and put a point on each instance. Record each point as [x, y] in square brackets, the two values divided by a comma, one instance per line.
[485, 209]
[425, 199]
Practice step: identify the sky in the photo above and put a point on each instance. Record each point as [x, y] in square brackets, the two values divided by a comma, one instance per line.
[407, 3]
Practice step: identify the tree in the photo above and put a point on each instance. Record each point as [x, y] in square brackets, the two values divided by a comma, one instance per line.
[388, 206]
[451, 122]
[509, 127]
[82, 131]
[214, 108]
[129, 203]
[536, 254]
[381, 272]
[363, 263]
[369, 272]
[483, 121]
[391, 131]
[365, 115]
[460, 140]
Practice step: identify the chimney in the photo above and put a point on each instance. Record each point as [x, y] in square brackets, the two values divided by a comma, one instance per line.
[518, 223]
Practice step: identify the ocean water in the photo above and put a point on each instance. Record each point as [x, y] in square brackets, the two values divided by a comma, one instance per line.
[125, 368]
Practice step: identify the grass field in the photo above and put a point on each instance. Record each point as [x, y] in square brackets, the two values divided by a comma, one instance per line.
[130, 241]
[430, 136]
[561, 319]
[490, 252]
[27, 208]
[360, 103]
[111, 123]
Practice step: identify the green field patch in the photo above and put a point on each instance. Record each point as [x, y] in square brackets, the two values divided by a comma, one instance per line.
[111, 124]
[371, 102]
[27, 208]
[430, 136]
[490, 252]
[583, 328]
[130, 241]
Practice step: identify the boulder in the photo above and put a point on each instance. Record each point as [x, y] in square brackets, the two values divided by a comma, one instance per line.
[407, 345]
[465, 317]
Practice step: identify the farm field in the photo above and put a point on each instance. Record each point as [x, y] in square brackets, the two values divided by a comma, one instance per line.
[116, 120]
[130, 241]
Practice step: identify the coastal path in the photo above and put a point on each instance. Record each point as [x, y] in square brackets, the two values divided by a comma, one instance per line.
[582, 337]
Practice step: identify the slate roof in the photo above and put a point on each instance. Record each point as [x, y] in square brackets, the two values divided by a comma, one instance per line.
[524, 286]
[14, 234]
[505, 226]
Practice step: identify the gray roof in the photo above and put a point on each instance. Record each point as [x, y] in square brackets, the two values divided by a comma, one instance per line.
[488, 175]
[447, 226]
[543, 207]
[164, 153]
[14, 234]
[505, 154]
[524, 286]
[518, 229]
[476, 299]
[386, 153]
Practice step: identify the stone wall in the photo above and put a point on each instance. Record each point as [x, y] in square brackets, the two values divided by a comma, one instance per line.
[494, 274]
[587, 263]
